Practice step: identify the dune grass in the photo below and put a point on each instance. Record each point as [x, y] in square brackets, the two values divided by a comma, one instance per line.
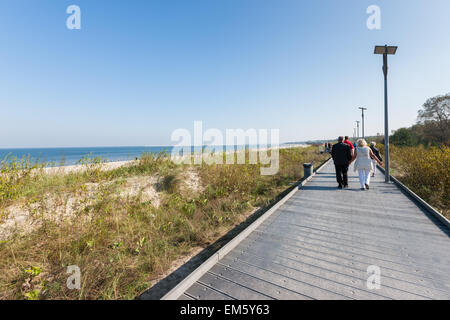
[426, 171]
[122, 244]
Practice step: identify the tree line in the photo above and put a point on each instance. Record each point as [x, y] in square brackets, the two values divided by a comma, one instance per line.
[432, 127]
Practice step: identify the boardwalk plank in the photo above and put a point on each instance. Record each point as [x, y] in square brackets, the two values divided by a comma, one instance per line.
[425, 289]
[351, 261]
[284, 280]
[438, 254]
[231, 287]
[327, 286]
[257, 284]
[202, 292]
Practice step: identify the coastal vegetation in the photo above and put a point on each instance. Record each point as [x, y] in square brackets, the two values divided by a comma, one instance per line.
[420, 154]
[432, 127]
[426, 171]
[124, 228]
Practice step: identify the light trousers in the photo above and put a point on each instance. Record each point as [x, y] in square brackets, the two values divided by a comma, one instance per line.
[364, 177]
[374, 163]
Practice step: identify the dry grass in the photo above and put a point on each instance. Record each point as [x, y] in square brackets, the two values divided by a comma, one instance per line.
[126, 227]
[426, 171]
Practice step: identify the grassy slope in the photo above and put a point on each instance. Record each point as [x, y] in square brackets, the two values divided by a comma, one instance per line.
[122, 244]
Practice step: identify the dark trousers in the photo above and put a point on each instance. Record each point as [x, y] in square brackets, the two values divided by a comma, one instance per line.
[341, 174]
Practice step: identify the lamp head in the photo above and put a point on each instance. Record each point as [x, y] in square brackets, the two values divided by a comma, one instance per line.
[385, 49]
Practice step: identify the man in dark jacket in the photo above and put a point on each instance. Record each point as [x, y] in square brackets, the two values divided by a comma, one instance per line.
[342, 155]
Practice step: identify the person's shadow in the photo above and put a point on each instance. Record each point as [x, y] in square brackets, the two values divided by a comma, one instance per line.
[320, 188]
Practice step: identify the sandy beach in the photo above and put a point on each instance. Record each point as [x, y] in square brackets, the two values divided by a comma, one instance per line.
[117, 164]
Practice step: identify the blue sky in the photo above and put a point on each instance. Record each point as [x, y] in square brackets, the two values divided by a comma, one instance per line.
[139, 69]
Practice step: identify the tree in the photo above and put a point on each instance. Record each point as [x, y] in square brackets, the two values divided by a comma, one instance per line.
[404, 137]
[435, 117]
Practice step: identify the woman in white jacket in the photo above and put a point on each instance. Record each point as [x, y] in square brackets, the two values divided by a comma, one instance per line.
[363, 164]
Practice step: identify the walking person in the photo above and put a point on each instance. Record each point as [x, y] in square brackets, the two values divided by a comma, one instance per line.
[376, 152]
[342, 155]
[363, 156]
[349, 143]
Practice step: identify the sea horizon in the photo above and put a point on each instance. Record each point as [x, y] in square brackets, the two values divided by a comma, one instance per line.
[66, 156]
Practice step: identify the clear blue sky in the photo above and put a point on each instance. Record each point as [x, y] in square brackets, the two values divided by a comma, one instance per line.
[139, 69]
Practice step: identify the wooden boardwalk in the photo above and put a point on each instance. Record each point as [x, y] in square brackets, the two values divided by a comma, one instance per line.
[320, 243]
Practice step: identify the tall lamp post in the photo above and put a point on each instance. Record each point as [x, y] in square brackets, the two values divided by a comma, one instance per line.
[362, 116]
[385, 51]
[357, 130]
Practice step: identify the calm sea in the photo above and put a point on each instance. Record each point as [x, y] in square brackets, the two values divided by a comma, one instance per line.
[71, 156]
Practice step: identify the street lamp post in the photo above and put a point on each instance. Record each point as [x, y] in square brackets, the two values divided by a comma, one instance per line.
[385, 51]
[362, 116]
[357, 130]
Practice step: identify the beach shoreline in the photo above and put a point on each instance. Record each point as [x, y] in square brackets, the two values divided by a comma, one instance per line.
[111, 165]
